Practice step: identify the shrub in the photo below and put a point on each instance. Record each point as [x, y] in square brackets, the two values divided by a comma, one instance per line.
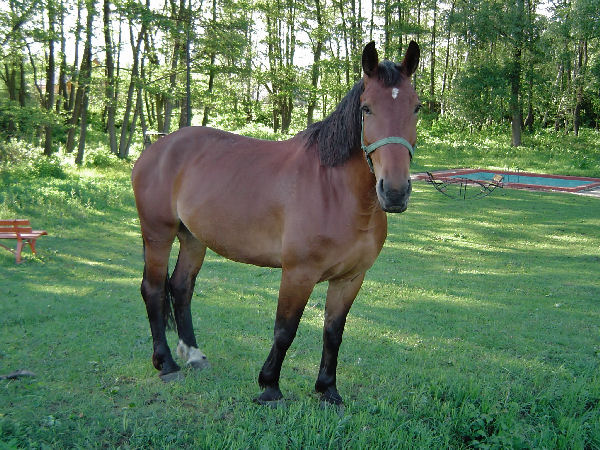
[48, 167]
[101, 157]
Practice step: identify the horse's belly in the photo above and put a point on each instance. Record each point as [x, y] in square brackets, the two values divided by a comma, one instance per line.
[248, 254]
[247, 238]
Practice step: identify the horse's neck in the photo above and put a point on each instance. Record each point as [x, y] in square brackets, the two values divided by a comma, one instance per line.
[361, 182]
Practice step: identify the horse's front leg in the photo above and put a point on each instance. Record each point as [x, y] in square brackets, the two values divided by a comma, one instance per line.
[340, 295]
[294, 292]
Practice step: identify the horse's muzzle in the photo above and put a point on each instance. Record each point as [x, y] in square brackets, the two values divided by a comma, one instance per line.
[393, 199]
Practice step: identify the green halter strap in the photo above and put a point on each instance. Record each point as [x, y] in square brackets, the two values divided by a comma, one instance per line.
[368, 149]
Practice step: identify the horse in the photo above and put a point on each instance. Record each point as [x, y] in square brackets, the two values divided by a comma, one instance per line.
[314, 205]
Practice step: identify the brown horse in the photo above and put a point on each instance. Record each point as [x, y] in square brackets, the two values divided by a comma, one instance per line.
[309, 205]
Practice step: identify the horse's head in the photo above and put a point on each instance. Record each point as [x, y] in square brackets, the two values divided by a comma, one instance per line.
[389, 106]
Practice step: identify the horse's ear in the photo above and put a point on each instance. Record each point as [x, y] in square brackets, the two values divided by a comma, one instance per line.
[411, 59]
[370, 59]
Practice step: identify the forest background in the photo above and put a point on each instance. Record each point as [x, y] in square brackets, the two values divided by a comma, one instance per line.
[129, 68]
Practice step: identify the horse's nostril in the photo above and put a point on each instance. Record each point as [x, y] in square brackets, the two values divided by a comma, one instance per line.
[381, 189]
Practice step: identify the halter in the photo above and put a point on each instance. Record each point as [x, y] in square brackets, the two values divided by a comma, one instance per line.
[368, 149]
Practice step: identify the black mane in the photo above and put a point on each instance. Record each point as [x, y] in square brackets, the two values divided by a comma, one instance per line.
[338, 136]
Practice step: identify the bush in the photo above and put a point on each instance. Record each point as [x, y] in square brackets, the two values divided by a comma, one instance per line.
[48, 167]
[101, 157]
[29, 161]
[24, 122]
[13, 151]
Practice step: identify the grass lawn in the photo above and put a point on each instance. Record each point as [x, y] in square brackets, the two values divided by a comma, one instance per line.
[478, 326]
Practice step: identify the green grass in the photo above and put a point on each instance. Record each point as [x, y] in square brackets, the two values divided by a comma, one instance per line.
[478, 326]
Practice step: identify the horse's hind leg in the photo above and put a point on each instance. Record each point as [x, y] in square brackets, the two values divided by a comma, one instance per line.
[155, 291]
[189, 262]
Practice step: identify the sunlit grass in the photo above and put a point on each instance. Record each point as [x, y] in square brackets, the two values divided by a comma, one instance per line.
[479, 325]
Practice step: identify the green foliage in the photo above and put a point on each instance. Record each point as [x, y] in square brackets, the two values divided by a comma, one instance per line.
[28, 161]
[48, 167]
[25, 122]
[481, 93]
[101, 157]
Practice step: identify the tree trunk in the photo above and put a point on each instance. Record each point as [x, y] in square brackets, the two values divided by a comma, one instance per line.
[211, 81]
[582, 57]
[74, 74]
[372, 24]
[345, 34]
[515, 77]
[287, 104]
[126, 128]
[515, 106]
[50, 76]
[559, 74]
[432, 67]
[167, 100]
[82, 127]
[185, 118]
[211, 69]
[85, 79]
[355, 38]
[386, 29]
[62, 102]
[314, 72]
[529, 119]
[22, 85]
[111, 100]
[446, 63]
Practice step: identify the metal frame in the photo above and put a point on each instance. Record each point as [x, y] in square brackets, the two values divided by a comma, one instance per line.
[467, 188]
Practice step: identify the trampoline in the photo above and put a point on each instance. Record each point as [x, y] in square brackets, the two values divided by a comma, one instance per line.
[521, 180]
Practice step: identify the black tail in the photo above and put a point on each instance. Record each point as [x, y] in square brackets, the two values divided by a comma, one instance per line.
[169, 317]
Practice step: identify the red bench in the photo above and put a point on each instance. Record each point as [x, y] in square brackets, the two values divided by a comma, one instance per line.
[19, 229]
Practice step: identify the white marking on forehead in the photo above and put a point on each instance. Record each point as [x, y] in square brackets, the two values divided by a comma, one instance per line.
[395, 92]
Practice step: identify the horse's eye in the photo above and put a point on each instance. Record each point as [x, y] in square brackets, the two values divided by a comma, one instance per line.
[418, 108]
[365, 109]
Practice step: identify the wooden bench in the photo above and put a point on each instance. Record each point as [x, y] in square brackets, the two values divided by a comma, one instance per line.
[19, 229]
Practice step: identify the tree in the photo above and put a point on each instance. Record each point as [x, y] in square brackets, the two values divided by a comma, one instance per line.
[318, 37]
[85, 79]
[110, 92]
[50, 75]
[142, 15]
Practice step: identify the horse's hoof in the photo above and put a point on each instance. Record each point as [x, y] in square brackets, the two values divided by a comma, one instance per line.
[331, 397]
[274, 404]
[280, 403]
[171, 376]
[199, 364]
[271, 397]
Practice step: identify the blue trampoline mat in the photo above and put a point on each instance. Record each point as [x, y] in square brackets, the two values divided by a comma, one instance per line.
[526, 179]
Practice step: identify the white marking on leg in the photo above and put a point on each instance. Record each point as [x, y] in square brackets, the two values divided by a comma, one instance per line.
[191, 355]
[182, 350]
[395, 93]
